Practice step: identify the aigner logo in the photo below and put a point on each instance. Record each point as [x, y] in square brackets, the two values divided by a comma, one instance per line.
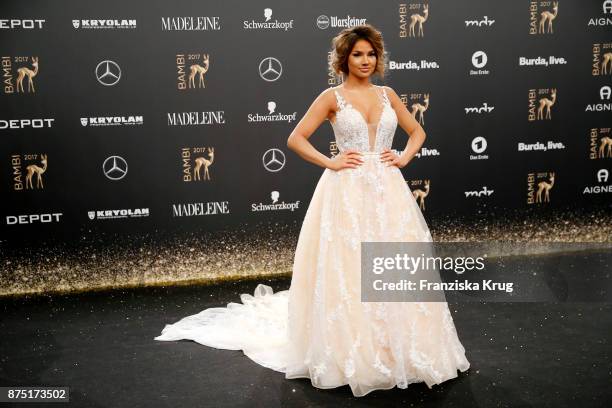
[602, 176]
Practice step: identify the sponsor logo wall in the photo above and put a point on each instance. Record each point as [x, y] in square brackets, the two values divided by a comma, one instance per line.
[156, 118]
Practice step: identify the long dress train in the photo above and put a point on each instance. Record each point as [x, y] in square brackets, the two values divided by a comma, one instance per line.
[319, 329]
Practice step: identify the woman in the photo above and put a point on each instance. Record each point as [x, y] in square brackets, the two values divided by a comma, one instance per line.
[319, 329]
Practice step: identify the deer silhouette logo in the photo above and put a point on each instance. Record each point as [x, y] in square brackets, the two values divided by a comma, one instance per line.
[548, 17]
[418, 19]
[419, 109]
[30, 73]
[546, 103]
[206, 162]
[545, 187]
[606, 63]
[419, 195]
[604, 142]
[199, 70]
[33, 168]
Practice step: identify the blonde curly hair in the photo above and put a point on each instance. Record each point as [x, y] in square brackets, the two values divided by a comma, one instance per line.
[343, 43]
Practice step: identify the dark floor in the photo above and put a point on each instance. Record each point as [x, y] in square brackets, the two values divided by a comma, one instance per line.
[101, 346]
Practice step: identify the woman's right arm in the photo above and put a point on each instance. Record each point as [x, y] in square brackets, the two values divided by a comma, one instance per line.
[312, 119]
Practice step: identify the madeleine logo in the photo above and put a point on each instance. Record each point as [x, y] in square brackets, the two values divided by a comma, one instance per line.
[16, 70]
[197, 162]
[542, 14]
[420, 191]
[199, 23]
[198, 65]
[539, 186]
[412, 17]
[200, 208]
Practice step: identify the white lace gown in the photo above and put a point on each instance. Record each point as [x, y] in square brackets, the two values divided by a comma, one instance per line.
[319, 329]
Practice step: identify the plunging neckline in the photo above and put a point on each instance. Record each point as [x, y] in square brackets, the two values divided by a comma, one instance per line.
[347, 104]
[359, 112]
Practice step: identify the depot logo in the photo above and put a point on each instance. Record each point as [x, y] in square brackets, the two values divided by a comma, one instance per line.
[26, 123]
[33, 218]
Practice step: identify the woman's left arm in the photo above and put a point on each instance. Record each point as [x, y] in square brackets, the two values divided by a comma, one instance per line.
[416, 134]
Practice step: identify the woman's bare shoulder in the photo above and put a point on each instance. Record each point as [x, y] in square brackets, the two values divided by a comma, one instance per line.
[389, 90]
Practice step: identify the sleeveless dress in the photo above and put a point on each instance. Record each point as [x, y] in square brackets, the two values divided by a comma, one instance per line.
[319, 329]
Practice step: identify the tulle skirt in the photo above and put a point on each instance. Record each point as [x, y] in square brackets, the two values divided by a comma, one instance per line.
[319, 328]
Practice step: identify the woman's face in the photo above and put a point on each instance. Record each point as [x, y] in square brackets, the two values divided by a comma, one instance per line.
[362, 59]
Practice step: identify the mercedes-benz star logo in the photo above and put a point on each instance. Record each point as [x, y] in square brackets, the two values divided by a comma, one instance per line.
[270, 69]
[273, 160]
[108, 72]
[115, 167]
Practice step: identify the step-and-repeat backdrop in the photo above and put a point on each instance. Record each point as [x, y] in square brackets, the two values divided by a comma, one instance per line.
[166, 123]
